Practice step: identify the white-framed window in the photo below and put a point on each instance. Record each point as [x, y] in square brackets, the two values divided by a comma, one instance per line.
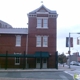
[42, 22]
[45, 23]
[39, 23]
[17, 59]
[45, 41]
[38, 41]
[41, 41]
[18, 40]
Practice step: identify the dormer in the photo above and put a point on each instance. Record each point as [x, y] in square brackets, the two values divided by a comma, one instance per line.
[42, 11]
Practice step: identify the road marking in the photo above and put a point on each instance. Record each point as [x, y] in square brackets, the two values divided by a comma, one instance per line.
[63, 77]
[69, 74]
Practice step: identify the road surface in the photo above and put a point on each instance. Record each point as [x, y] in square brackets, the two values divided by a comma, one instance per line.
[42, 75]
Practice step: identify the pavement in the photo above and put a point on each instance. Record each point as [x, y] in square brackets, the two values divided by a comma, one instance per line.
[36, 74]
[60, 68]
[48, 75]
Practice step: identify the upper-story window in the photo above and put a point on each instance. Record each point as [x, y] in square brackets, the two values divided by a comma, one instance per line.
[38, 41]
[39, 23]
[45, 23]
[42, 23]
[41, 41]
[45, 41]
[18, 40]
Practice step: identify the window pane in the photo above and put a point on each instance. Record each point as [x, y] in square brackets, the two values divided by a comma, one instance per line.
[38, 20]
[44, 20]
[18, 40]
[38, 41]
[45, 23]
[17, 59]
[45, 41]
[39, 23]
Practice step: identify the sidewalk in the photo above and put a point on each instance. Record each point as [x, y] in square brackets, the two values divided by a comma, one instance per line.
[66, 67]
[60, 68]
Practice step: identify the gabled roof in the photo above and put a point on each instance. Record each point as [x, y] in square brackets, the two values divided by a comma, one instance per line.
[48, 10]
[3, 24]
[13, 31]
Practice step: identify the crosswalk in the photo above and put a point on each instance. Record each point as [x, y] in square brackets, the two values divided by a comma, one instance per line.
[72, 73]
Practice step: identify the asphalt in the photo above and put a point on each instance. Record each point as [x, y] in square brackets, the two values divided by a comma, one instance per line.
[36, 74]
[41, 75]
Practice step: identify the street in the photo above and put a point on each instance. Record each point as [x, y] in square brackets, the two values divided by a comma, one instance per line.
[31, 75]
[76, 71]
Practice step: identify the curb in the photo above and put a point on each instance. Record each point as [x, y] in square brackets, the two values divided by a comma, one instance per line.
[35, 70]
[30, 71]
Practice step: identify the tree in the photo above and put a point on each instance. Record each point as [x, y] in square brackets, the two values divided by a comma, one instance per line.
[62, 58]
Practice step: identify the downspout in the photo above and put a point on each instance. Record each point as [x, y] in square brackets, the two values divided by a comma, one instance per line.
[26, 49]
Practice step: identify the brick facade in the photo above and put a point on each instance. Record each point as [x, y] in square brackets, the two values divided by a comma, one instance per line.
[28, 41]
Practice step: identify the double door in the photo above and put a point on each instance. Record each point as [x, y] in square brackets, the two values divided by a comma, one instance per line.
[42, 62]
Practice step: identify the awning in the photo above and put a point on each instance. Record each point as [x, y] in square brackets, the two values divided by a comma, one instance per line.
[45, 54]
[42, 54]
[35, 55]
[18, 55]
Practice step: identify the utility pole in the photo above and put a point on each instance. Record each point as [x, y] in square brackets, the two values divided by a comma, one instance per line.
[69, 50]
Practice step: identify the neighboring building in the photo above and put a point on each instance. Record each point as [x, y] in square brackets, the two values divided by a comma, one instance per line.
[38, 41]
[4, 25]
[78, 59]
[74, 57]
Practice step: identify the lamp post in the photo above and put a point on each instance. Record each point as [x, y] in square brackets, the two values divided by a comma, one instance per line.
[69, 50]
[69, 47]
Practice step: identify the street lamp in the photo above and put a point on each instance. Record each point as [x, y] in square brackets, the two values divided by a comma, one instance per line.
[70, 46]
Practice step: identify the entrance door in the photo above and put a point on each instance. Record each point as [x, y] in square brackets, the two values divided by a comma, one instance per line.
[44, 63]
[38, 63]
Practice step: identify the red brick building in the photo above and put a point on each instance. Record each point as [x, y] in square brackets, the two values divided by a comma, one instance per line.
[38, 41]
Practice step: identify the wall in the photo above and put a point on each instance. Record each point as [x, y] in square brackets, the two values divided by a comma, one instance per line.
[51, 32]
[7, 43]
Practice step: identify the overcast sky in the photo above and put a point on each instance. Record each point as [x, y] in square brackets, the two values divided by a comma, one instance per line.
[15, 13]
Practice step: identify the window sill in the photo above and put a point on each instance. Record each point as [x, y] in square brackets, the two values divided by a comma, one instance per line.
[42, 28]
[45, 46]
[17, 63]
[38, 46]
[18, 45]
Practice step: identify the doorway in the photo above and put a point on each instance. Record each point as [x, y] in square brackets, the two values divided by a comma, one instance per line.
[44, 63]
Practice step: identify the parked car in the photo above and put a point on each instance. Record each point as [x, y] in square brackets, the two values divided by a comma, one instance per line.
[78, 64]
[73, 63]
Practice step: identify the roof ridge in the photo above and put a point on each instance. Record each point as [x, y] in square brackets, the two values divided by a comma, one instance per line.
[34, 11]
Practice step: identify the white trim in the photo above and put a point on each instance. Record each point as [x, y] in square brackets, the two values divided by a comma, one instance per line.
[17, 63]
[42, 12]
[45, 23]
[38, 40]
[15, 59]
[42, 27]
[18, 45]
[44, 41]
[42, 17]
[14, 31]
